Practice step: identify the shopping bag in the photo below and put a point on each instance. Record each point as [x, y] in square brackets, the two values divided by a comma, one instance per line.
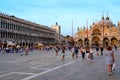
[113, 67]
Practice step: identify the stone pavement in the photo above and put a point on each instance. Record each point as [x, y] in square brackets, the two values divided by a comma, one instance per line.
[45, 65]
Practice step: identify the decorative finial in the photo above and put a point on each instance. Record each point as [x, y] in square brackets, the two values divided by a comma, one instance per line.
[107, 18]
[93, 20]
[56, 23]
[102, 16]
[78, 28]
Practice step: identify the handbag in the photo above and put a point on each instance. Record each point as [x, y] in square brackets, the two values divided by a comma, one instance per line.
[113, 67]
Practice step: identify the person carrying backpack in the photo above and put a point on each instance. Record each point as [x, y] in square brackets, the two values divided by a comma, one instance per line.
[76, 51]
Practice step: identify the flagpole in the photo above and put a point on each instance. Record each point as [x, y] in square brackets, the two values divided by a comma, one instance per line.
[87, 27]
[72, 28]
[103, 26]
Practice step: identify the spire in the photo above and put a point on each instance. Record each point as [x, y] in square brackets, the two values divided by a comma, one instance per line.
[90, 26]
[118, 23]
[93, 22]
[102, 16]
[56, 23]
[107, 18]
[84, 27]
[87, 26]
[78, 28]
[72, 28]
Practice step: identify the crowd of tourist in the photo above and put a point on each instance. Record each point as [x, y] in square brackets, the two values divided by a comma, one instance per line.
[87, 53]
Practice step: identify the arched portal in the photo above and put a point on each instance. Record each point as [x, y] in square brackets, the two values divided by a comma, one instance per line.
[105, 42]
[80, 42]
[86, 42]
[114, 41]
[95, 41]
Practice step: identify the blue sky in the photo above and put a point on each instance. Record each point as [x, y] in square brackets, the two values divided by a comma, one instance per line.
[48, 12]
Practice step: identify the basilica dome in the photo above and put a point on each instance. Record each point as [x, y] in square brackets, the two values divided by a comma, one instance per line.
[106, 22]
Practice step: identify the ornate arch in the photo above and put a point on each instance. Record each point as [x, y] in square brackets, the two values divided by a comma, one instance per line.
[80, 42]
[105, 41]
[95, 41]
[114, 41]
[86, 42]
[96, 32]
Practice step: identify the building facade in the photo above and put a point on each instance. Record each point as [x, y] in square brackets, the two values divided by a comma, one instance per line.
[57, 28]
[101, 33]
[24, 33]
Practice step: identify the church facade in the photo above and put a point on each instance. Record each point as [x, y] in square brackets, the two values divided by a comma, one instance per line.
[101, 33]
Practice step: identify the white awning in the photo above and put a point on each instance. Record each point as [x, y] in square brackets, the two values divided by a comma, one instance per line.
[40, 44]
[10, 43]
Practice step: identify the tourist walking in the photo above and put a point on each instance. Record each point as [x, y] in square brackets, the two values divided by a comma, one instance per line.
[26, 50]
[115, 47]
[82, 50]
[101, 49]
[56, 50]
[109, 59]
[97, 50]
[72, 50]
[76, 51]
[88, 53]
[63, 53]
[91, 53]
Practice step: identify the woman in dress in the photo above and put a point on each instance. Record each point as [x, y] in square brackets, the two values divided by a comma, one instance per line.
[109, 59]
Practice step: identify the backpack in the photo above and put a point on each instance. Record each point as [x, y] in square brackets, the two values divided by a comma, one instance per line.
[76, 50]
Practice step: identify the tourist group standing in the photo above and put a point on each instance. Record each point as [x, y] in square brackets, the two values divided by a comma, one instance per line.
[87, 53]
